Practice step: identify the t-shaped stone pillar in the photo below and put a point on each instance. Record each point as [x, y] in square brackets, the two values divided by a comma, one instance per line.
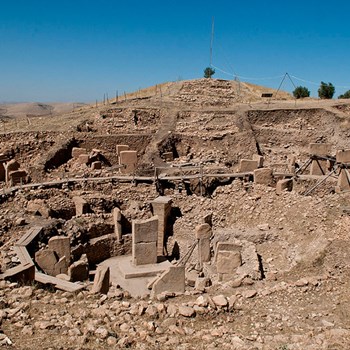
[203, 234]
[161, 207]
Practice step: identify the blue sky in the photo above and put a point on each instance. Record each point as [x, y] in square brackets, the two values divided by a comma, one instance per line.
[78, 50]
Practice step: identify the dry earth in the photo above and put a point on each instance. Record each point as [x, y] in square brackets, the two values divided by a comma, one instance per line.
[302, 299]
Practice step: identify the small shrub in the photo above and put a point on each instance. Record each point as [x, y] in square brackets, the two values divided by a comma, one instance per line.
[301, 92]
[209, 72]
[326, 91]
[345, 95]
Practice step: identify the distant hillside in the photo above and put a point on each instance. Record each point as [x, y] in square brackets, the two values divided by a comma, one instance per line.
[15, 110]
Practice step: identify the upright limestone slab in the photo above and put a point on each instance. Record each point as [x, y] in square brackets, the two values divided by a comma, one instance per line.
[172, 280]
[81, 206]
[343, 156]
[161, 207]
[263, 176]
[61, 246]
[203, 234]
[120, 148]
[144, 241]
[101, 280]
[117, 220]
[319, 167]
[12, 165]
[248, 165]
[128, 159]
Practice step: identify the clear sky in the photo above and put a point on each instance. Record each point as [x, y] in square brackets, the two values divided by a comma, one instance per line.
[78, 50]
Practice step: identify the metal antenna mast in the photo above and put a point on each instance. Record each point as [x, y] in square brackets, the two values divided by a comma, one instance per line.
[211, 42]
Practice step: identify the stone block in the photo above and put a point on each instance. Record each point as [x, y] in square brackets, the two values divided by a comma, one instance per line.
[203, 231]
[228, 261]
[12, 165]
[284, 185]
[343, 181]
[248, 165]
[128, 159]
[81, 206]
[320, 149]
[343, 156]
[172, 280]
[77, 151]
[61, 246]
[319, 167]
[144, 253]
[263, 176]
[39, 207]
[46, 259]
[61, 266]
[145, 231]
[49, 262]
[226, 246]
[120, 148]
[17, 177]
[168, 156]
[78, 271]
[259, 159]
[96, 165]
[202, 283]
[101, 280]
[83, 159]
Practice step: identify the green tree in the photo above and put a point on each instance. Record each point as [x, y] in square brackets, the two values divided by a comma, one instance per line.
[345, 95]
[326, 91]
[209, 72]
[301, 91]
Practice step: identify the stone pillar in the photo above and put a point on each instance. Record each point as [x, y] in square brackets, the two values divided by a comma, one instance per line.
[284, 185]
[77, 151]
[129, 160]
[259, 159]
[3, 160]
[343, 158]
[101, 280]
[161, 207]
[343, 181]
[291, 163]
[263, 176]
[120, 148]
[61, 246]
[144, 241]
[16, 177]
[117, 220]
[319, 167]
[12, 165]
[248, 165]
[203, 234]
[81, 206]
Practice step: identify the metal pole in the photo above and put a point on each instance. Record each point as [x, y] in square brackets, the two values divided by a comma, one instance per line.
[319, 183]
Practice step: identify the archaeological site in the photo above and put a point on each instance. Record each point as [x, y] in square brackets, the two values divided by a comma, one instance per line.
[189, 215]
